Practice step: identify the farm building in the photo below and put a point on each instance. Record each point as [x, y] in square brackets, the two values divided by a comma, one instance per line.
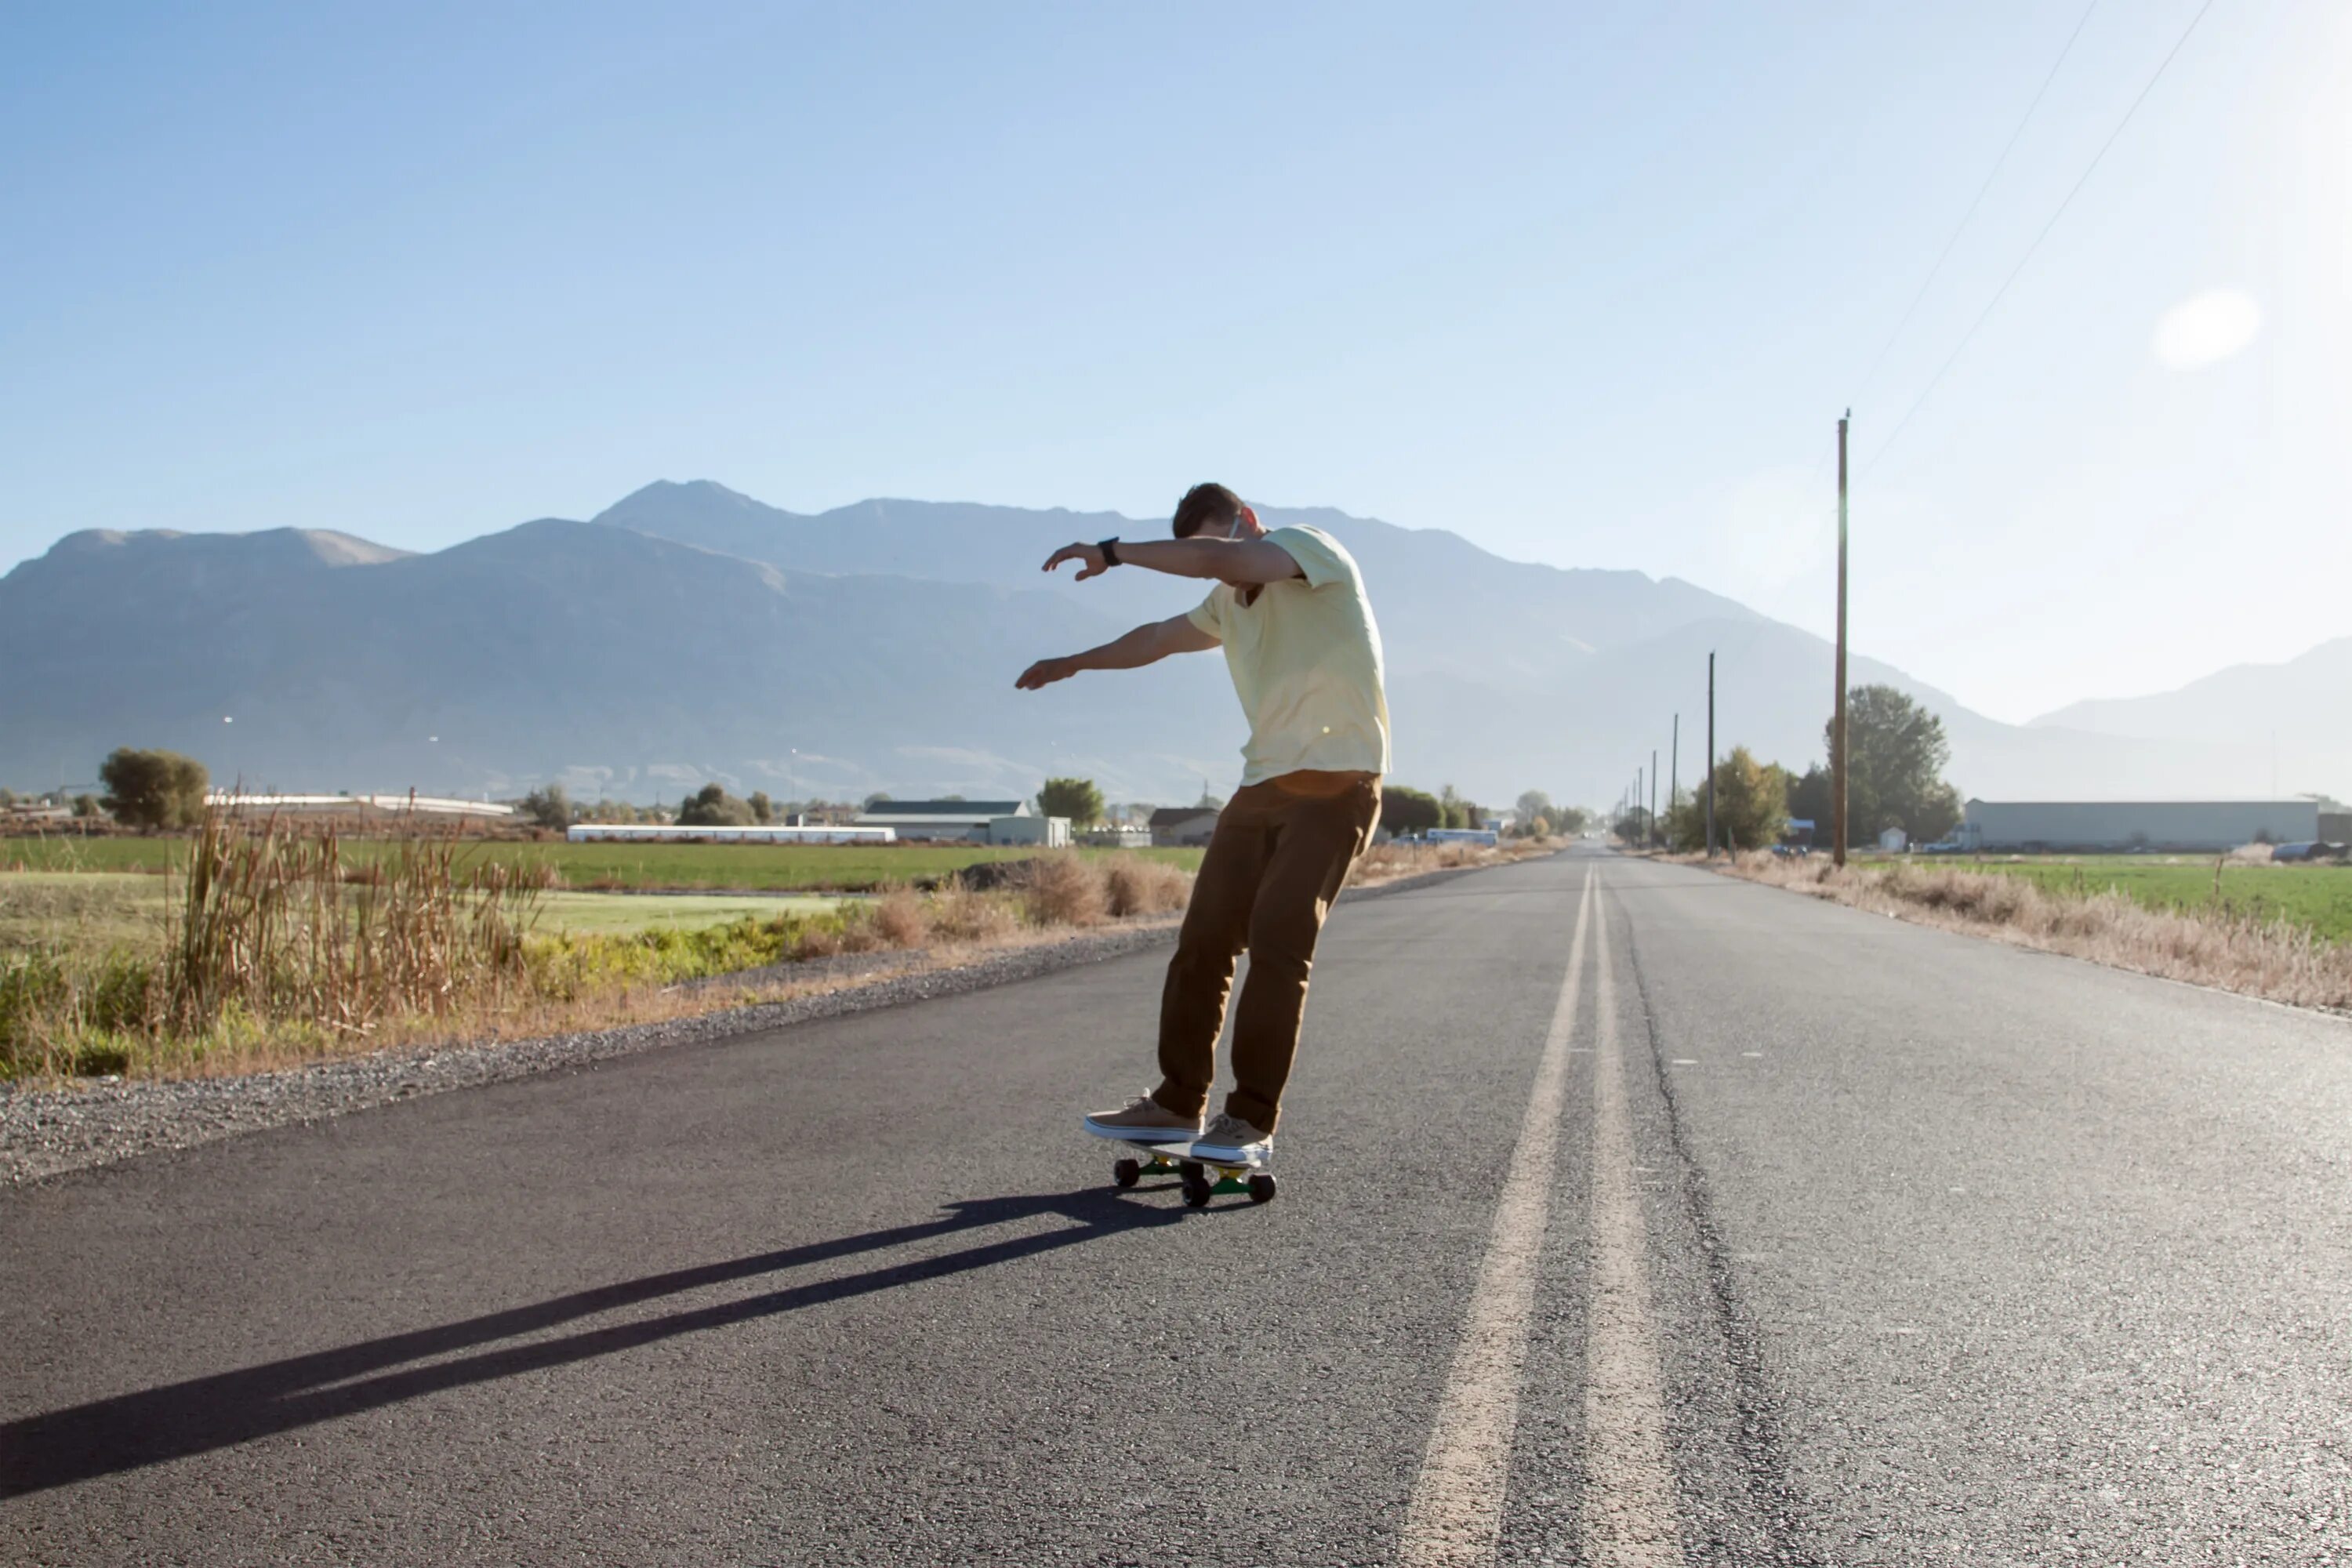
[968, 822]
[352, 804]
[1046, 832]
[921, 820]
[1174, 827]
[2122, 825]
[675, 833]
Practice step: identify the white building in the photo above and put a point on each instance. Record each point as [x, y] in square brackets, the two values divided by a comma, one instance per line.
[674, 833]
[919, 821]
[1174, 827]
[352, 804]
[2123, 824]
[1046, 832]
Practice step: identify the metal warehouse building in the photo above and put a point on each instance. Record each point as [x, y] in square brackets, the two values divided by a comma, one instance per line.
[967, 821]
[2124, 824]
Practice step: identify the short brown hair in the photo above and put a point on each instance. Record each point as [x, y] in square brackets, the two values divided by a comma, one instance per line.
[1205, 506]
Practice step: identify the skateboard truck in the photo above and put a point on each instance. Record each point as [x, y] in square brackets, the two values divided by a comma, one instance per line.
[1201, 1179]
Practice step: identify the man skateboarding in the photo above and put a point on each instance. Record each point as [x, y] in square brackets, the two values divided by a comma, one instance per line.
[1305, 656]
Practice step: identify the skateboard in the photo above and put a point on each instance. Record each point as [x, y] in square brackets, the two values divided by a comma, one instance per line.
[1202, 1178]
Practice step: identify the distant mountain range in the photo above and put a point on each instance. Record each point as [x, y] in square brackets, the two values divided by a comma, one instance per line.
[2294, 719]
[689, 632]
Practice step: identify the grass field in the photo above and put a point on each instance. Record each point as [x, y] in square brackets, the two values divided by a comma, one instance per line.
[95, 910]
[756, 867]
[2318, 897]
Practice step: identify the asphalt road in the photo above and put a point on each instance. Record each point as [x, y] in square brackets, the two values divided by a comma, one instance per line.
[1765, 1231]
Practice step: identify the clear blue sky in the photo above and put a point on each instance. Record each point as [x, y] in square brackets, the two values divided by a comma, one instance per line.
[1587, 284]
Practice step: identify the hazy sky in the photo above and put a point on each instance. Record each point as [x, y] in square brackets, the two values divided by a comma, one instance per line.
[1588, 284]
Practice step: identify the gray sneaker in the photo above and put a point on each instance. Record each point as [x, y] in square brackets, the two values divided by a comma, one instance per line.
[1228, 1137]
[1144, 1121]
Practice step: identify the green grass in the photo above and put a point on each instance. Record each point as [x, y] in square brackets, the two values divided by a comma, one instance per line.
[813, 868]
[91, 911]
[2319, 896]
[655, 912]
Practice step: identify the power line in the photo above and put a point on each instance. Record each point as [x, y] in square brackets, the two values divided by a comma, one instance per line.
[1946, 254]
[1999, 294]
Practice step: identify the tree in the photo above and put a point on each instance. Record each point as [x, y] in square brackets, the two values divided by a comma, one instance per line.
[712, 807]
[878, 797]
[1809, 801]
[1077, 799]
[1570, 819]
[762, 808]
[549, 807]
[1459, 810]
[1751, 806]
[85, 806]
[1533, 804]
[1895, 777]
[154, 789]
[1404, 809]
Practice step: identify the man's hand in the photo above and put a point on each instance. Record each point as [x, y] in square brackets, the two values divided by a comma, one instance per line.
[1088, 556]
[1046, 671]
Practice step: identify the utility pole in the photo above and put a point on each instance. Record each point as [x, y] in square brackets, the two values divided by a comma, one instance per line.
[1637, 799]
[1710, 756]
[1837, 759]
[1674, 764]
[1654, 794]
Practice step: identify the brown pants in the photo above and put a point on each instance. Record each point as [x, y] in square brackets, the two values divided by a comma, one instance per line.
[1275, 862]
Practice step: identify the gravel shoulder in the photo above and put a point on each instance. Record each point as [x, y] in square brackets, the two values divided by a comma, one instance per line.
[49, 1132]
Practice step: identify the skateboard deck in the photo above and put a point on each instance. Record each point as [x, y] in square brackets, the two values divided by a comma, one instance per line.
[1202, 1176]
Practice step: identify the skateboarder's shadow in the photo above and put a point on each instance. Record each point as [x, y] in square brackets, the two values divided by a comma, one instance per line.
[132, 1430]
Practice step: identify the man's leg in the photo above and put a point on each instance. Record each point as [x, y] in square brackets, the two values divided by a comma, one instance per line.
[1201, 976]
[1318, 837]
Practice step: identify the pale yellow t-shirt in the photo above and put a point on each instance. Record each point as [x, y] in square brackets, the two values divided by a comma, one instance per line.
[1305, 656]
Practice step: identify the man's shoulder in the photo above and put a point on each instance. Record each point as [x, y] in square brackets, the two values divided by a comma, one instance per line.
[1321, 558]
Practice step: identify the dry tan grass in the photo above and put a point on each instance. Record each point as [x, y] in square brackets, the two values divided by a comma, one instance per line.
[957, 914]
[1141, 886]
[2276, 960]
[1062, 891]
[1387, 862]
[458, 929]
[902, 918]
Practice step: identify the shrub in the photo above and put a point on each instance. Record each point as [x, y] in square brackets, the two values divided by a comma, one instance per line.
[902, 918]
[1141, 886]
[962, 914]
[1061, 890]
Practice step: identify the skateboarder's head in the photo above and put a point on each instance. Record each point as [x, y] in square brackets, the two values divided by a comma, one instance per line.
[1214, 512]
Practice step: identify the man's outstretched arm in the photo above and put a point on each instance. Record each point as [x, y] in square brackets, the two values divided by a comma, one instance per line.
[1147, 643]
[1240, 562]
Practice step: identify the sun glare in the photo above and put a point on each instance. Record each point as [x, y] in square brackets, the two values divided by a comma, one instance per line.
[2206, 328]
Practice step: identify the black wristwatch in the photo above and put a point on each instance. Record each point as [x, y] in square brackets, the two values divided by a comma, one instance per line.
[1110, 547]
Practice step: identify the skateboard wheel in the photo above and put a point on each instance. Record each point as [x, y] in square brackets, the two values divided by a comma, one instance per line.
[1262, 1187]
[1127, 1172]
[1196, 1189]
